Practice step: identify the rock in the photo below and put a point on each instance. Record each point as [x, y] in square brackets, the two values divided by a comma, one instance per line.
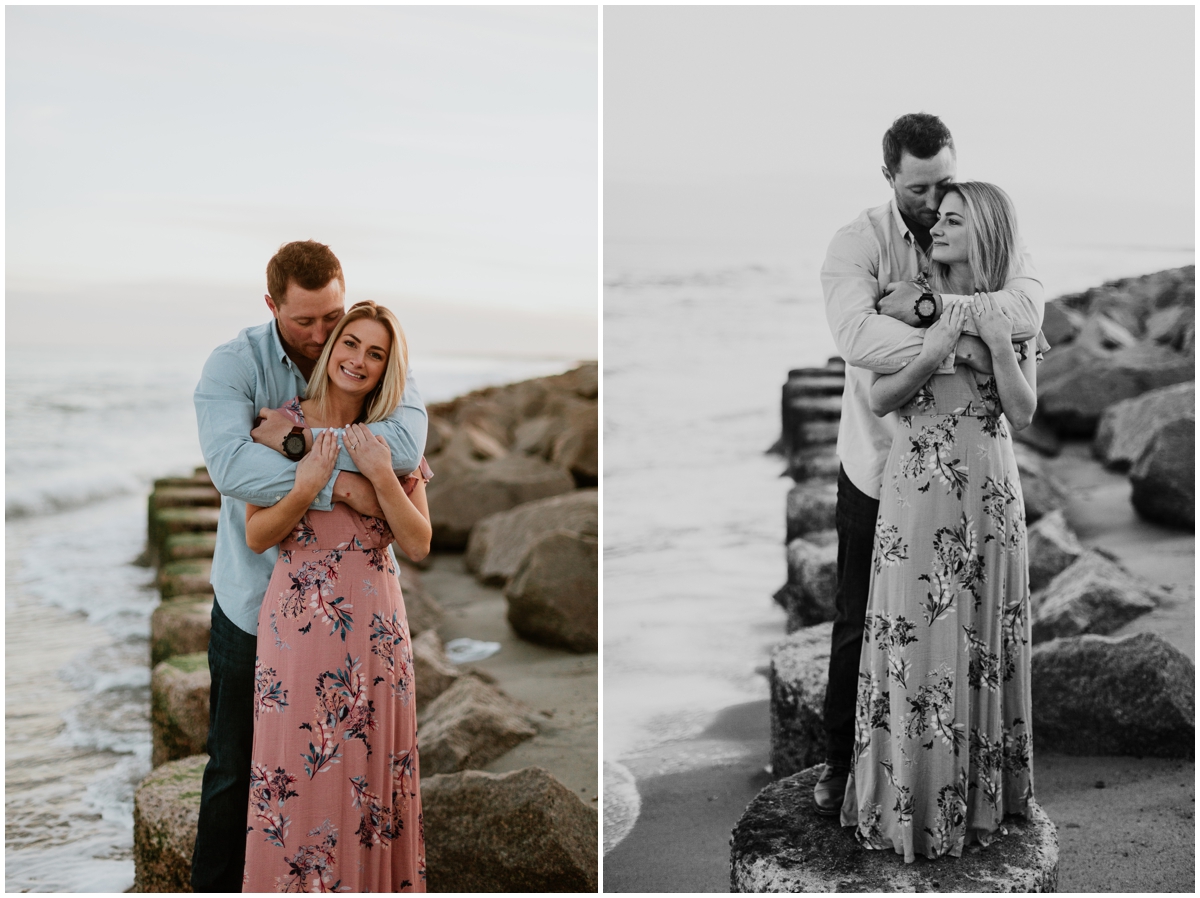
[577, 448]
[1092, 595]
[1043, 493]
[180, 578]
[179, 707]
[781, 844]
[1174, 326]
[483, 445]
[469, 726]
[422, 609]
[813, 462]
[1102, 332]
[432, 670]
[1052, 548]
[553, 596]
[499, 542]
[187, 546]
[1164, 475]
[1077, 383]
[799, 674]
[536, 436]
[1060, 324]
[180, 626]
[1040, 436]
[166, 521]
[811, 506]
[458, 502]
[810, 592]
[1100, 695]
[521, 831]
[1127, 426]
[1131, 301]
[166, 807]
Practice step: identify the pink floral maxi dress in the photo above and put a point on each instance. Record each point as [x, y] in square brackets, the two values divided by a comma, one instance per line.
[335, 800]
[943, 749]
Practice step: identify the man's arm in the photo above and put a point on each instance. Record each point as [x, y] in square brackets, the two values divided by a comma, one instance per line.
[850, 281]
[404, 431]
[225, 409]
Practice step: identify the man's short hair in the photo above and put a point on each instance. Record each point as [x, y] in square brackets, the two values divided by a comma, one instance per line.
[310, 264]
[919, 133]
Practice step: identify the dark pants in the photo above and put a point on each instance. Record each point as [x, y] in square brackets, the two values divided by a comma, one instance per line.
[856, 514]
[220, 852]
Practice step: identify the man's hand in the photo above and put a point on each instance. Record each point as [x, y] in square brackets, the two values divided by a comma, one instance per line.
[973, 352]
[899, 301]
[274, 427]
[357, 492]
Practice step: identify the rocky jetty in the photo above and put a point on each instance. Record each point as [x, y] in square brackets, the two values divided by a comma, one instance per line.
[1121, 367]
[516, 474]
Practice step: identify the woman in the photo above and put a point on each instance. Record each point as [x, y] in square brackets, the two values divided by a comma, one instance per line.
[942, 742]
[334, 798]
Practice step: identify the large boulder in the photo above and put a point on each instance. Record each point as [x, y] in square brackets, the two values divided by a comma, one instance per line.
[577, 447]
[181, 578]
[553, 597]
[1164, 475]
[1042, 491]
[1093, 595]
[422, 609]
[166, 807]
[1132, 301]
[1174, 326]
[433, 672]
[1077, 383]
[1126, 428]
[469, 726]
[1100, 695]
[459, 501]
[799, 674]
[499, 542]
[811, 505]
[521, 831]
[809, 596]
[1060, 324]
[180, 626]
[179, 689]
[781, 844]
[1052, 548]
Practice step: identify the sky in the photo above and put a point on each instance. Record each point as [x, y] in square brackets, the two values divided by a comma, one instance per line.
[764, 124]
[448, 155]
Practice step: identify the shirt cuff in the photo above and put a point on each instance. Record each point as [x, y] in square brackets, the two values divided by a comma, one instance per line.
[324, 500]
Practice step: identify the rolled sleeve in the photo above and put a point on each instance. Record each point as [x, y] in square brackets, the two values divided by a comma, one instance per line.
[850, 281]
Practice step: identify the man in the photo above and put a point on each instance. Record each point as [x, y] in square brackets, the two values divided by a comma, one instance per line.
[877, 315]
[252, 375]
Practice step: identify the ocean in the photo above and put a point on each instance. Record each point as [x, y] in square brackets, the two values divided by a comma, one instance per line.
[88, 429]
[698, 340]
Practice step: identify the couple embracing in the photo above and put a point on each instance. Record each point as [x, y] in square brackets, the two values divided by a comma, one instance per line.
[934, 305]
[313, 433]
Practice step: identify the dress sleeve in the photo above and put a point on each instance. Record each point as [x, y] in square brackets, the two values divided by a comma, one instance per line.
[423, 474]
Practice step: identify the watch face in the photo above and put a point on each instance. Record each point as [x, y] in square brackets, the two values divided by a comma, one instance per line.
[926, 307]
[293, 444]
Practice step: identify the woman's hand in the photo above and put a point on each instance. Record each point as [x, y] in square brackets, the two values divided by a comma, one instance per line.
[314, 470]
[942, 336]
[369, 452]
[994, 326]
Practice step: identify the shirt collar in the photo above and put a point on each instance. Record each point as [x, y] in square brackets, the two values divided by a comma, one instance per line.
[900, 225]
[277, 341]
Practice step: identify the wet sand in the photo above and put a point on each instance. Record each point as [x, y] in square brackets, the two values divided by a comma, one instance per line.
[1135, 833]
[560, 683]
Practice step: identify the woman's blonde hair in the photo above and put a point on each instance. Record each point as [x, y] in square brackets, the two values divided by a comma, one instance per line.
[991, 237]
[382, 400]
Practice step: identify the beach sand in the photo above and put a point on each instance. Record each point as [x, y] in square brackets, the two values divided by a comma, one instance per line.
[1124, 824]
[558, 682]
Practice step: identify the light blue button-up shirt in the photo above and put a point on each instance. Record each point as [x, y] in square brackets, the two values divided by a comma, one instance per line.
[240, 377]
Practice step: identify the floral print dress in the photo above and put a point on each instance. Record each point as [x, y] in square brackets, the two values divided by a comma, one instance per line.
[335, 800]
[942, 749]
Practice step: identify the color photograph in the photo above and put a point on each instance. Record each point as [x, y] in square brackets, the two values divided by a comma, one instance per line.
[899, 411]
[302, 448]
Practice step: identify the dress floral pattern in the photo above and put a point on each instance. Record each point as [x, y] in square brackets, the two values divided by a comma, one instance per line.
[335, 800]
[942, 749]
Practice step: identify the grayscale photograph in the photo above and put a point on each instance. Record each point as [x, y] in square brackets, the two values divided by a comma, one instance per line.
[899, 413]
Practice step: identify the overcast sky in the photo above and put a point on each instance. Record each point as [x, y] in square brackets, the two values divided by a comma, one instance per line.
[771, 117]
[444, 153]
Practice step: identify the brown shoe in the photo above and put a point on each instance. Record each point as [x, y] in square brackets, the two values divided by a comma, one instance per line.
[830, 790]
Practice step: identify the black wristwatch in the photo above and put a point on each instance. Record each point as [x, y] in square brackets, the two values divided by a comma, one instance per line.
[926, 309]
[293, 444]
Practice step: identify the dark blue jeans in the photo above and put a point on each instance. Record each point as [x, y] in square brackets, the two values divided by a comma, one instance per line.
[220, 852]
[855, 519]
